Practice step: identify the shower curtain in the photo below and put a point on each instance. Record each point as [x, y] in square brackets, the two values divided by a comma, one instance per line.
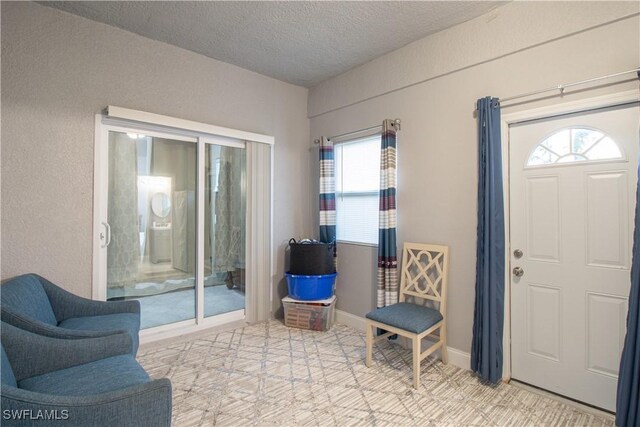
[124, 249]
[230, 215]
[145, 153]
[210, 194]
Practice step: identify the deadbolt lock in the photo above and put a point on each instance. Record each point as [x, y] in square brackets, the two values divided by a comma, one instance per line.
[517, 253]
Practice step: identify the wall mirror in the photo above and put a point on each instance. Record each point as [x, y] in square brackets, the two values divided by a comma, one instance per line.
[161, 205]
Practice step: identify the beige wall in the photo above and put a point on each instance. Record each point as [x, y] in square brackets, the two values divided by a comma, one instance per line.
[437, 146]
[506, 30]
[58, 71]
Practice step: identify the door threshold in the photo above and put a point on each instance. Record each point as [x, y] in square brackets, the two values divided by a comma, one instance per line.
[184, 331]
[594, 410]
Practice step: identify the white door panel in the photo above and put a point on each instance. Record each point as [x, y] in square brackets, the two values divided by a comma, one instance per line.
[606, 314]
[572, 219]
[607, 219]
[543, 311]
[542, 216]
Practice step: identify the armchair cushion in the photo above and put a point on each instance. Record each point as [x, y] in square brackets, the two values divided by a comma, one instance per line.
[83, 380]
[406, 316]
[101, 376]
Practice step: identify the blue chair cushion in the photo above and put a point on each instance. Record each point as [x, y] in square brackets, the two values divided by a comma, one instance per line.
[25, 295]
[6, 372]
[406, 316]
[125, 321]
[102, 376]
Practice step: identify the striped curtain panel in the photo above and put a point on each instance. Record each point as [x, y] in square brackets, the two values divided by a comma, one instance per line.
[327, 192]
[387, 292]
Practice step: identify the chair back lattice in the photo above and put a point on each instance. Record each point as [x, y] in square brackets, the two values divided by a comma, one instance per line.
[424, 274]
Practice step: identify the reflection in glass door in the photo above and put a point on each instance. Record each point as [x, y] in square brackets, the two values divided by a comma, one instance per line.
[151, 213]
[151, 218]
[225, 235]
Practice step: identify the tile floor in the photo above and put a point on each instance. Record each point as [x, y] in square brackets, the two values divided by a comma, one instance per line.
[180, 305]
[266, 374]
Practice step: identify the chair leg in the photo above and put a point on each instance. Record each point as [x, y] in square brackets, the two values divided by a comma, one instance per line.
[416, 362]
[367, 361]
[444, 356]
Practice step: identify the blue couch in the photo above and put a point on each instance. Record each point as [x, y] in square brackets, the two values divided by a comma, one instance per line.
[33, 303]
[77, 382]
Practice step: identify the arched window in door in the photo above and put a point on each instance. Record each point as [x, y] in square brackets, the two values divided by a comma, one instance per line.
[572, 145]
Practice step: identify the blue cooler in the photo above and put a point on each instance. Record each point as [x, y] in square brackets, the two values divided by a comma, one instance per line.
[311, 287]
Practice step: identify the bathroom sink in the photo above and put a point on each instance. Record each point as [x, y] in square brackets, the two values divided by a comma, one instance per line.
[161, 227]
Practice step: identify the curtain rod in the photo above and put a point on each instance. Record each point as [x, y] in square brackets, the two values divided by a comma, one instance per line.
[562, 87]
[396, 121]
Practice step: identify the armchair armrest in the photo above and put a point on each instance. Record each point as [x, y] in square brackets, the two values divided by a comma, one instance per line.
[36, 355]
[66, 305]
[143, 404]
[41, 328]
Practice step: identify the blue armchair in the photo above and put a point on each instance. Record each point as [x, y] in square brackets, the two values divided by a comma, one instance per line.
[87, 382]
[33, 303]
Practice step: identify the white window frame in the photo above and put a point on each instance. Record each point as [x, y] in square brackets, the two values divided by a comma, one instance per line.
[354, 140]
[586, 161]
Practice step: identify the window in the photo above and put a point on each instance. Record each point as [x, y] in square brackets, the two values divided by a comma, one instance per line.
[358, 190]
[573, 145]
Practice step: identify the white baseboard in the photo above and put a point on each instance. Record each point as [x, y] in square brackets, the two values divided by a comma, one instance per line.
[356, 322]
[458, 358]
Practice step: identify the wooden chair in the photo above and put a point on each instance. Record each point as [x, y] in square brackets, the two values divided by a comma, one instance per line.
[421, 310]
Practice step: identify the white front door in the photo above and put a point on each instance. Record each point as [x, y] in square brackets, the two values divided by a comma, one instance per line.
[572, 194]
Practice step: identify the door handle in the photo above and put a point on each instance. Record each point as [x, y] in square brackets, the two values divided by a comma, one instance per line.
[107, 229]
[518, 272]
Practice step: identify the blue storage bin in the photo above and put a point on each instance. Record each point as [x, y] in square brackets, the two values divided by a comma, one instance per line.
[311, 287]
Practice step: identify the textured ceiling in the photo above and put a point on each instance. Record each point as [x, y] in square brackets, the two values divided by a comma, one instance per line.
[302, 42]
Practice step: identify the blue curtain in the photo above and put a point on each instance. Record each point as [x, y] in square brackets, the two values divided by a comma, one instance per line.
[627, 406]
[486, 347]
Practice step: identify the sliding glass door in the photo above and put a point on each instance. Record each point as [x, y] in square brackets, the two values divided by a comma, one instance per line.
[225, 229]
[173, 227]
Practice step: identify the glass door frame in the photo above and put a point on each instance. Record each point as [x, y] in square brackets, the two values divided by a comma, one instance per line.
[200, 223]
[104, 125]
